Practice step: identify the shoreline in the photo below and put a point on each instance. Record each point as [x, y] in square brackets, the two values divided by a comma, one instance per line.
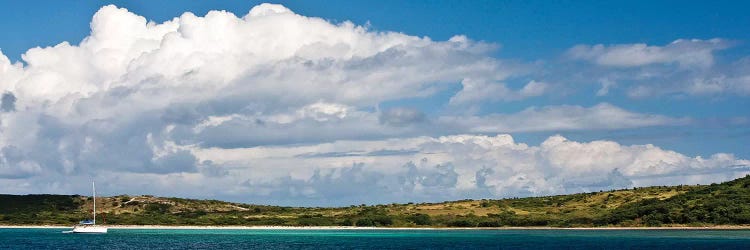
[165, 227]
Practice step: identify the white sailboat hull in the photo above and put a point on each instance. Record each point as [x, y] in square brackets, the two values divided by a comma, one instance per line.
[89, 230]
[89, 227]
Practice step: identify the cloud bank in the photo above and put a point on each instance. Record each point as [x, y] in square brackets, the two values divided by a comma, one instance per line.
[413, 169]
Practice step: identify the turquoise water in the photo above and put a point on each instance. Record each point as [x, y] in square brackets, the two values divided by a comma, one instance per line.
[376, 239]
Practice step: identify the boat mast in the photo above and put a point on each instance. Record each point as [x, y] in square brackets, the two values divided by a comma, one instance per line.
[93, 187]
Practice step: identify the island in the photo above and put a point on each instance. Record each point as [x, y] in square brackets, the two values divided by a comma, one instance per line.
[724, 205]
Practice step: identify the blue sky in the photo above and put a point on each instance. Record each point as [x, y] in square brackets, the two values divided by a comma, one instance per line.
[526, 29]
[667, 82]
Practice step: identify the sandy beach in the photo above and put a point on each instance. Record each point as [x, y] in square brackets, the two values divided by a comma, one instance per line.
[733, 227]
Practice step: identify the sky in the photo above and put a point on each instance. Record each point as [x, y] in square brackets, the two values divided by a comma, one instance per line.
[334, 103]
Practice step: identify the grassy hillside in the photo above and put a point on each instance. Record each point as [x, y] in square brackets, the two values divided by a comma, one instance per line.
[717, 204]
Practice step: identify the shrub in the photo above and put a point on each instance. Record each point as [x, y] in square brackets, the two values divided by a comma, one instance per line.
[421, 219]
[346, 222]
[652, 220]
[460, 223]
[383, 220]
[157, 208]
[365, 222]
[489, 224]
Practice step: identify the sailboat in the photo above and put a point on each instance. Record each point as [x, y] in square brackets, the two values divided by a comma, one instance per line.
[89, 226]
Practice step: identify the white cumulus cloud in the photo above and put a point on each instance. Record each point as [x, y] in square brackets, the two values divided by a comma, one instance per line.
[689, 67]
[475, 91]
[686, 53]
[132, 84]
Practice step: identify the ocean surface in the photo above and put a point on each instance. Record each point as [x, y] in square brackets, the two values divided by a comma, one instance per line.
[376, 239]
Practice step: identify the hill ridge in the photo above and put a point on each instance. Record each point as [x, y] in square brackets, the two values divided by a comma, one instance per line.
[726, 203]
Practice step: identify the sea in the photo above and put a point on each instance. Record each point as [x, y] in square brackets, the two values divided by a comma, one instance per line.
[49, 238]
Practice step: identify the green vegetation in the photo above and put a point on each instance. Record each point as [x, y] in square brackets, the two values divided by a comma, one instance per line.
[701, 205]
[40, 209]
